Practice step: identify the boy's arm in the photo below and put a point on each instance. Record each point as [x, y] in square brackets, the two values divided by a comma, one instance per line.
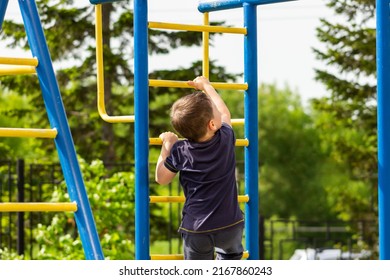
[202, 83]
[163, 175]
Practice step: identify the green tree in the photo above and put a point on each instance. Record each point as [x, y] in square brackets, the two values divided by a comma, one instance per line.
[112, 202]
[292, 160]
[13, 107]
[347, 118]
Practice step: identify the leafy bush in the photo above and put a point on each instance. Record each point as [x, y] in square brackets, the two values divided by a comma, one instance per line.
[112, 203]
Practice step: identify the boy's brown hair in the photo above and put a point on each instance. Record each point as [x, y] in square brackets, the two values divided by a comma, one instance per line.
[191, 114]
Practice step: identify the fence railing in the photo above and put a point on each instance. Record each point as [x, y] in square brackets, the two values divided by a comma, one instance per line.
[279, 238]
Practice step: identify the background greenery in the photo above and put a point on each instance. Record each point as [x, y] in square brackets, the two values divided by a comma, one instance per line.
[317, 161]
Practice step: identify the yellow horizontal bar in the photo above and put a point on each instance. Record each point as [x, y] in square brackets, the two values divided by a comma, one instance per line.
[169, 199]
[239, 142]
[181, 84]
[181, 199]
[116, 119]
[238, 121]
[38, 207]
[242, 142]
[19, 61]
[17, 70]
[230, 86]
[28, 132]
[198, 28]
[173, 257]
[181, 257]
[245, 255]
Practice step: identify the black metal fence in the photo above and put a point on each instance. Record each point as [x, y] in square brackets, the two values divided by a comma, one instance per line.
[279, 238]
[282, 237]
[20, 183]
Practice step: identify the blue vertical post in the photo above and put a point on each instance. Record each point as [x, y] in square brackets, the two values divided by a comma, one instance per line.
[141, 112]
[3, 9]
[251, 132]
[64, 142]
[383, 72]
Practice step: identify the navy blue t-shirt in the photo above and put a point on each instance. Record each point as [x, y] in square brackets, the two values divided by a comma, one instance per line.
[207, 175]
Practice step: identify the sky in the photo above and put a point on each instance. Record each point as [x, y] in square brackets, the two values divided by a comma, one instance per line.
[286, 36]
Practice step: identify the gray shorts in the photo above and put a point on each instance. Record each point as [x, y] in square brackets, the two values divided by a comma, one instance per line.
[227, 245]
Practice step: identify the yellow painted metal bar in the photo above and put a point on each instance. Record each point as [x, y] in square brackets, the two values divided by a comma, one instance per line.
[181, 199]
[181, 256]
[238, 121]
[206, 50]
[38, 207]
[100, 73]
[167, 199]
[19, 61]
[17, 70]
[181, 84]
[173, 257]
[230, 86]
[28, 132]
[198, 28]
[239, 142]
[245, 255]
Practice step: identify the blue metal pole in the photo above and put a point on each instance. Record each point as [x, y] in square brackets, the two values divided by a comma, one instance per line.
[3, 9]
[251, 132]
[141, 111]
[218, 5]
[383, 72]
[64, 142]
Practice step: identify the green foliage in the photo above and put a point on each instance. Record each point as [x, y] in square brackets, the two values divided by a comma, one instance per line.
[112, 203]
[6, 254]
[12, 111]
[291, 158]
[346, 120]
[313, 164]
[69, 31]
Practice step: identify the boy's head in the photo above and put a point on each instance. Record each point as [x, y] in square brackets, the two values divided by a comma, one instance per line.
[191, 114]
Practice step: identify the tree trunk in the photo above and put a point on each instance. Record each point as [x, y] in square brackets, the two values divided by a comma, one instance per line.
[107, 128]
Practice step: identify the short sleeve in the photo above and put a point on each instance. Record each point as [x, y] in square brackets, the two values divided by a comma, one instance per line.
[171, 162]
[169, 165]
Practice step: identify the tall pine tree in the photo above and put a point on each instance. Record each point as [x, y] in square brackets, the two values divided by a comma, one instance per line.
[348, 119]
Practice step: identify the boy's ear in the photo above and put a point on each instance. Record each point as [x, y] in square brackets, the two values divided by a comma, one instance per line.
[211, 125]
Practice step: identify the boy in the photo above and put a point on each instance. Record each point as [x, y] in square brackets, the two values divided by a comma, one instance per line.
[211, 217]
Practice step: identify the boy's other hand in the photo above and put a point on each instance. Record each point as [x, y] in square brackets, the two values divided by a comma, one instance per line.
[168, 138]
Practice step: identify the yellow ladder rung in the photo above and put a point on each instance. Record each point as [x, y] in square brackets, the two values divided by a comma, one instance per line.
[230, 86]
[19, 61]
[172, 257]
[28, 132]
[181, 84]
[181, 199]
[238, 121]
[17, 70]
[197, 28]
[168, 199]
[37, 207]
[239, 142]
[181, 256]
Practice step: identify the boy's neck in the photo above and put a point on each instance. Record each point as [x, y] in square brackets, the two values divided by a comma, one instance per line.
[210, 134]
